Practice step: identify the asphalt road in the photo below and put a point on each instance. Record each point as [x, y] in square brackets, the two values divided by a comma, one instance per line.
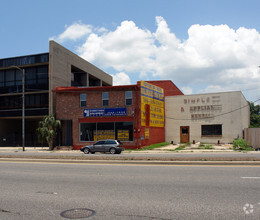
[43, 191]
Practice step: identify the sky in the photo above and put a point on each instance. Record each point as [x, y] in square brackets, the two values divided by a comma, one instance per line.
[203, 46]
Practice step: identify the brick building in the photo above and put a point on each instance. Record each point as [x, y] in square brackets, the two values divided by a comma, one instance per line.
[133, 114]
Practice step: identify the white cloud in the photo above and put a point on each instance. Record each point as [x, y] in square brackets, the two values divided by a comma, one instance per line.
[211, 58]
[121, 79]
[186, 90]
[74, 32]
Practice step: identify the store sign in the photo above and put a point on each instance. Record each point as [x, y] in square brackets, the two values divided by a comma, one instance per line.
[104, 112]
[202, 107]
[153, 96]
[147, 133]
[123, 135]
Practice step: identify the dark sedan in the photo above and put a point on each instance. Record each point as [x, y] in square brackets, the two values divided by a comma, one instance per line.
[112, 146]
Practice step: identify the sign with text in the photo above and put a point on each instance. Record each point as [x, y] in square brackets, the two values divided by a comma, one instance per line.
[104, 112]
[123, 135]
[154, 97]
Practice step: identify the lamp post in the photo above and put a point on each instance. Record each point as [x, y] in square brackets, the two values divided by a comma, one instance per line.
[23, 106]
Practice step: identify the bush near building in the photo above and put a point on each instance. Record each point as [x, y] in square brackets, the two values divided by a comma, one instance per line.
[241, 144]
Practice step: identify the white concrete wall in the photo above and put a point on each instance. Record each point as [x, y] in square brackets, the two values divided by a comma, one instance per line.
[230, 109]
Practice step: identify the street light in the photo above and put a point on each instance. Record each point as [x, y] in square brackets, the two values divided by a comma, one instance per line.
[23, 115]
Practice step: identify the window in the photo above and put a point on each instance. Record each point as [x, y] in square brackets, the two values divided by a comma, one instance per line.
[87, 131]
[30, 76]
[42, 75]
[83, 100]
[18, 77]
[111, 142]
[122, 131]
[10, 80]
[2, 78]
[105, 99]
[100, 143]
[128, 98]
[105, 130]
[208, 130]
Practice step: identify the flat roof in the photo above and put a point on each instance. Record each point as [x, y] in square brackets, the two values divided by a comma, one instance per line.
[94, 88]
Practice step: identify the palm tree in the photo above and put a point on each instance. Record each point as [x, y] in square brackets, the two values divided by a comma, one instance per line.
[47, 130]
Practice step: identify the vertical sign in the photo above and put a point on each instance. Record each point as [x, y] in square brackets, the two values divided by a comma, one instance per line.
[154, 97]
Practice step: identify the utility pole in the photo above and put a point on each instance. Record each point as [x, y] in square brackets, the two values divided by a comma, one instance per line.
[23, 106]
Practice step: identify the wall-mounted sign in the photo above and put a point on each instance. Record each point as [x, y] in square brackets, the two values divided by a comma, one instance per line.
[123, 135]
[147, 133]
[204, 107]
[154, 97]
[102, 112]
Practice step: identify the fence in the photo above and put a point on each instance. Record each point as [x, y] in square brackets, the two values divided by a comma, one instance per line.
[252, 136]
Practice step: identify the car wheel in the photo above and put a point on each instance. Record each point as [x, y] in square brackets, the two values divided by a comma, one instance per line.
[86, 150]
[112, 150]
[118, 152]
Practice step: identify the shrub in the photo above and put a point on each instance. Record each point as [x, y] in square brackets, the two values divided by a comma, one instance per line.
[241, 144]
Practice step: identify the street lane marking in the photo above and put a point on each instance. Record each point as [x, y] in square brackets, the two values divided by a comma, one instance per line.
[250, 177]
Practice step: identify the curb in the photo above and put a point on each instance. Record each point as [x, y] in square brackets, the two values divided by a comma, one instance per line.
[132, 162]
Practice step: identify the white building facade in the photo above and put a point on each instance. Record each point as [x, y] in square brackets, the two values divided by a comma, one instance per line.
[206, 118]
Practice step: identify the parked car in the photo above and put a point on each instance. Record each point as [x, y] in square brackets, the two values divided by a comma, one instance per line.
[112, 146]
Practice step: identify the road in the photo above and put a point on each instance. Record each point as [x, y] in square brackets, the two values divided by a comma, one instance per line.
[43, 191]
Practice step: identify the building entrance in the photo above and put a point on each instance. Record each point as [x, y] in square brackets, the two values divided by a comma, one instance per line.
[185, 134]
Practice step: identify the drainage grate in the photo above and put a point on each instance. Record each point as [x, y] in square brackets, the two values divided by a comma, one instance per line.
[77, 213]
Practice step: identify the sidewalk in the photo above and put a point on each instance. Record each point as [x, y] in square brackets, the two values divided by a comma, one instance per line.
[163, 156]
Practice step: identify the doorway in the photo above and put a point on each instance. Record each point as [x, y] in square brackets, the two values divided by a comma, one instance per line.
[185, 134]
[68, 141]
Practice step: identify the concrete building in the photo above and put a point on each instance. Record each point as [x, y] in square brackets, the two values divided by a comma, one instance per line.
[133, 114]
[206, 118]
[43, 73]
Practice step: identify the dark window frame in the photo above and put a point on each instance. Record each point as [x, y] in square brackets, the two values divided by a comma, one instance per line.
[87, 130]
[105, 100]
[128, 98]
[83, 100]
[211, 130]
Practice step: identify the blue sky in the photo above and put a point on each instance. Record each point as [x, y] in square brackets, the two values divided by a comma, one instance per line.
[202, 46]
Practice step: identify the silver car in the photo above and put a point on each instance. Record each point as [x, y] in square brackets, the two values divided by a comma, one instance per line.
[112, 146]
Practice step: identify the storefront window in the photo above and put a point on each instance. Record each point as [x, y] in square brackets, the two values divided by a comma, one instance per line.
[122, 131]
[105, 131]
[87, 131]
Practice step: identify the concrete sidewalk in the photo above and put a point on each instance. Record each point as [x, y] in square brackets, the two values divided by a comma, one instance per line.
[163, 156]
[193, 148]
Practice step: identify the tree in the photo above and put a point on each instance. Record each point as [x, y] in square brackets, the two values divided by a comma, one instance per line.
[254, 115]
[47, 130]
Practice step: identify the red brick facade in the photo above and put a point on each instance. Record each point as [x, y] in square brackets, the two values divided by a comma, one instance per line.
[68, 108]
[170, 89]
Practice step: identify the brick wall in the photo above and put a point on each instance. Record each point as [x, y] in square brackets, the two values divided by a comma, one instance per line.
[68, 108]
[170, 89]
